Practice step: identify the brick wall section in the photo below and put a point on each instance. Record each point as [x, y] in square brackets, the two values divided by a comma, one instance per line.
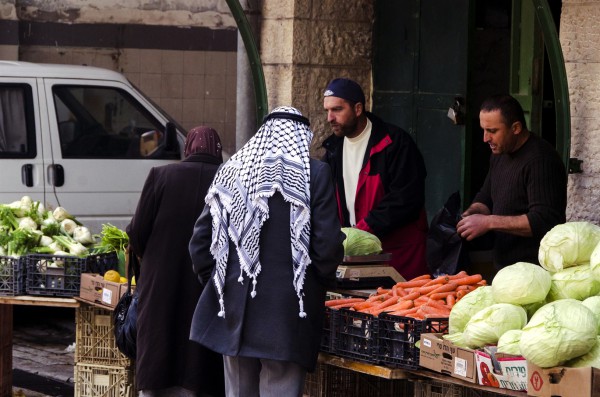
[306, 43]
[580, 40]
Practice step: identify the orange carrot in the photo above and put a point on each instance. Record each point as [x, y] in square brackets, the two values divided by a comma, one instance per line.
[474, 279]
[398, 306]
[343, 305]
[444, 288]
[422, 277]
[382, 291]
[411, 296]
[432, 311]
[336, 302]
[438, 280]
[460, 294]
[363, 305]
[442, 295]
[387, 302]
[466, 287]
[451, 300]
[427, 288]
[460, 274]
[412, 284]
[404, 312]
[436, 303]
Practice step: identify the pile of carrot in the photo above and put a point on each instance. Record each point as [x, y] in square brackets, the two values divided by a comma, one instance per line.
[421, 297]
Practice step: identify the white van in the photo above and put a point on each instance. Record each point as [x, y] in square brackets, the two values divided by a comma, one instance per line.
[80, 137]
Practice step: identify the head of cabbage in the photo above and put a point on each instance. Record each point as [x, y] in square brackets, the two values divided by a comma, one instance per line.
[509, 342]
[521, 284]
[568, 244]
[358, 242]
[487, 325]
[593, 303]
[465, 308]
[559, 331]
[575, 282]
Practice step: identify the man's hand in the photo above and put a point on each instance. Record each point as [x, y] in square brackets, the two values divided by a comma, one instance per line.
[473, 226]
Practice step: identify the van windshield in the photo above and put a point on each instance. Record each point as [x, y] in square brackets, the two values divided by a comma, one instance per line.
[105, 122]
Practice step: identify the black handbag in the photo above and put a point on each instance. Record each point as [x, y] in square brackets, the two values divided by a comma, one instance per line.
[125, 313]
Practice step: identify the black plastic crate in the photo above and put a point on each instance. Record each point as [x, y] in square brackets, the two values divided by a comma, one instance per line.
[355, 335]
[328, 328]
[12, 276]
[397, 336]
[54, 275]
[101, 263]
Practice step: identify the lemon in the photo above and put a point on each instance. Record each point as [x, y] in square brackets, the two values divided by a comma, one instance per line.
[122, 280]
[112, 275]
[133, 280]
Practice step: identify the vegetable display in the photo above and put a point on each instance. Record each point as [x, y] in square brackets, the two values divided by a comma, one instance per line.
[421, 297]
[26, 227]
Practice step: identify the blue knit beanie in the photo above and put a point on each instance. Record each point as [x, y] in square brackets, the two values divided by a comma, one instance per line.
[346, 89]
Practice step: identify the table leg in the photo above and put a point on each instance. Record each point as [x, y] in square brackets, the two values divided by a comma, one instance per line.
[6, 335]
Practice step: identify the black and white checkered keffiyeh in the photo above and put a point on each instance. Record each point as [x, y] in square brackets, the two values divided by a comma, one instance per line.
[276, 158]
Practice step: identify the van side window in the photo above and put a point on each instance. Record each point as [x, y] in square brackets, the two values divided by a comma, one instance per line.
[105, 123]
[17, 128]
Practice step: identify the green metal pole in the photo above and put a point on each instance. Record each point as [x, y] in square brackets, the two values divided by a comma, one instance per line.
[258, 77]
[559, 78]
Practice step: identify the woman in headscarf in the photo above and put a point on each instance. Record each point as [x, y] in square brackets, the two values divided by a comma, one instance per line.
[168, 363]
[266, 247]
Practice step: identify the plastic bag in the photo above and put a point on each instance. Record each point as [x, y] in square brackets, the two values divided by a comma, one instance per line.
[445, 253]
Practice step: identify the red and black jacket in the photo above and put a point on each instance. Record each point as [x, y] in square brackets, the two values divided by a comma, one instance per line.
[390, 196]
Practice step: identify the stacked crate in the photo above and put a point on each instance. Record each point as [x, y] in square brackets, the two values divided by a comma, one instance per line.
[101, 370]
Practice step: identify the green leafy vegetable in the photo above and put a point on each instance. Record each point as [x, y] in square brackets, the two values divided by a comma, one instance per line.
[557, 332]
[568, 244]
[521, 284]
[358, 242]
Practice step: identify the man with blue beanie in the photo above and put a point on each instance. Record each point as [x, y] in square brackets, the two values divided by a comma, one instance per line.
[379, 176]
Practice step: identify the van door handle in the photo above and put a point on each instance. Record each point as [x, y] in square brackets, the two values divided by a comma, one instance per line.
[56, 175]
[27, 175]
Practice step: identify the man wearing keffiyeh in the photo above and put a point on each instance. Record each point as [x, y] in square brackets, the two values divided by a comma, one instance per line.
[266, 247]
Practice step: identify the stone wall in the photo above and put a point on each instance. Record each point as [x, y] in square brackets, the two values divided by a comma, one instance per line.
[306, 43]
[580, 41]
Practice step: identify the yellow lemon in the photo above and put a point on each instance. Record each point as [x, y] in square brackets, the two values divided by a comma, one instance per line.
[122, 280]
[133, 280]
[112, 275]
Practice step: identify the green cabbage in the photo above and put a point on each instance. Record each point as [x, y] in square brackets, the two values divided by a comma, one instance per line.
[487, 325]
[593, 303]
[358, 242]
[595, 262]
[568, 244]
[521, 284]
[559, 331]
[456, 338]
[465, 308]
[509, 342]
[589, 359]
[574, 282]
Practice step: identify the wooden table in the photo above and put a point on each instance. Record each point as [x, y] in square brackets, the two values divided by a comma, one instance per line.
[6, 330]
[395, 373]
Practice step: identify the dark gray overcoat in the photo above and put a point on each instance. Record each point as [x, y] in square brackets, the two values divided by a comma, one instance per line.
[268, 325]
[160, 231]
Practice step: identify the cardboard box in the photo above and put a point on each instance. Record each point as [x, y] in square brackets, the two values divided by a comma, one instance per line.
[563, 381]
[445, 357]
[94, 288]
[500, 370]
